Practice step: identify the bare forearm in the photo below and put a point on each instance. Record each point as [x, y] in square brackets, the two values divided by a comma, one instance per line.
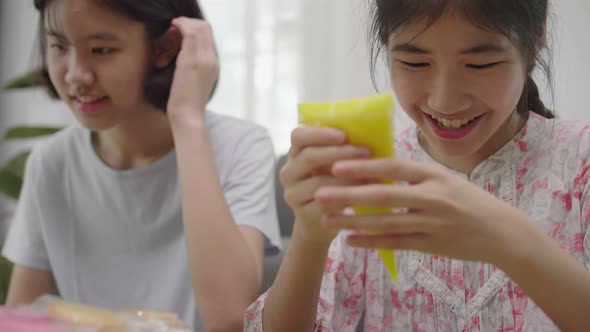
[27, 284]
[293, 299]
[225, 276]
[554, 280]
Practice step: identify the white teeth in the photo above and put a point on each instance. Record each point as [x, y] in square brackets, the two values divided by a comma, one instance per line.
[89, 100]
[452, 124]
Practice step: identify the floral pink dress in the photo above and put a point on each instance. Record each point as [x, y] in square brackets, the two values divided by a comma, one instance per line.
[543, 170]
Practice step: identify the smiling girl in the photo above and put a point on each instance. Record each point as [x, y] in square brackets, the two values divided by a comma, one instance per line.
[492, 208]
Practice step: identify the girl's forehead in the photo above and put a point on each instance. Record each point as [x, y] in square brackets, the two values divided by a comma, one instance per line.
[72, 7]
[72, 18]
[81, 12]
[448, 31]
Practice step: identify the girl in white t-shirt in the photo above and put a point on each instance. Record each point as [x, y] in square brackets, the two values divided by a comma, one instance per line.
[109, 229]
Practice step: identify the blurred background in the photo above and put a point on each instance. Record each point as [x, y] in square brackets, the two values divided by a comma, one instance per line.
[274, 54]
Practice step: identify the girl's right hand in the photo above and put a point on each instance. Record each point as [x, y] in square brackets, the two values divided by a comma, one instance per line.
[309, 167]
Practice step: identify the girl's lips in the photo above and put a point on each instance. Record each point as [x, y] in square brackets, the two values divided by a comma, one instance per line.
[90, 106]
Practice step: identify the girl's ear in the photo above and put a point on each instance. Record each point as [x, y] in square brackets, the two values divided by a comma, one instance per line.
[167, 48]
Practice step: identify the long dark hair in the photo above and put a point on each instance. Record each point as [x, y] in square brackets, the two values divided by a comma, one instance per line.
[522, 21]
[156, 15]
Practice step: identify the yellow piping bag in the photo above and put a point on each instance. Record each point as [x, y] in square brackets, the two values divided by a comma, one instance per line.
[367, 122]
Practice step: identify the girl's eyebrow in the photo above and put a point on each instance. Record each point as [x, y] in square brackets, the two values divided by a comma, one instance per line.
[410, 48]
[486, 48]
[102, 36]
[478, 49]
[95, 36]
[53, 33]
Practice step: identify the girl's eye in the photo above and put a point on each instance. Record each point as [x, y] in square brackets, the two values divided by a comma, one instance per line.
[414, 64]
[102, 50]
[58, 47]
[484, 66]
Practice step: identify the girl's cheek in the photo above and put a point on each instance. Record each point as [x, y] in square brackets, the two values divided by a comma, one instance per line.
[504, 89]
[408, 90]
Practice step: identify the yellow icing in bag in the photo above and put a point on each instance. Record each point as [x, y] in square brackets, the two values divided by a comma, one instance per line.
[368, 122]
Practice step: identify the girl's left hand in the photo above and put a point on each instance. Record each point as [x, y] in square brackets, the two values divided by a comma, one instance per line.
[197, 69]
[443, 214]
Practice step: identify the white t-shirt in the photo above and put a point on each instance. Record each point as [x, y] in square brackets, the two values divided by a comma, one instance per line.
[115, 238]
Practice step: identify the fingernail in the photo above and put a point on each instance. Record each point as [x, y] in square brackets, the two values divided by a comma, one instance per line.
[364, 152]
[338, 135]
[341, 165]
[322, 193]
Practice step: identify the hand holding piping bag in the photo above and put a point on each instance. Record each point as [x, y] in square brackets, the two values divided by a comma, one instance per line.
[367, 122]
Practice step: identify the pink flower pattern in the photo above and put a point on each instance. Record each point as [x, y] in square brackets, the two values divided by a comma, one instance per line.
[544, 170]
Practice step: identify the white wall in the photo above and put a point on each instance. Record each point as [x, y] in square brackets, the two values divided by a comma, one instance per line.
[16, 36]
[572, 58]
[336, 58]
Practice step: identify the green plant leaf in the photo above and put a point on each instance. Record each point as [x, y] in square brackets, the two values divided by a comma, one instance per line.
[5, 272]
[16, 165]
[11, 175]
[10, 184]
[29, 132]
[28, 80]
